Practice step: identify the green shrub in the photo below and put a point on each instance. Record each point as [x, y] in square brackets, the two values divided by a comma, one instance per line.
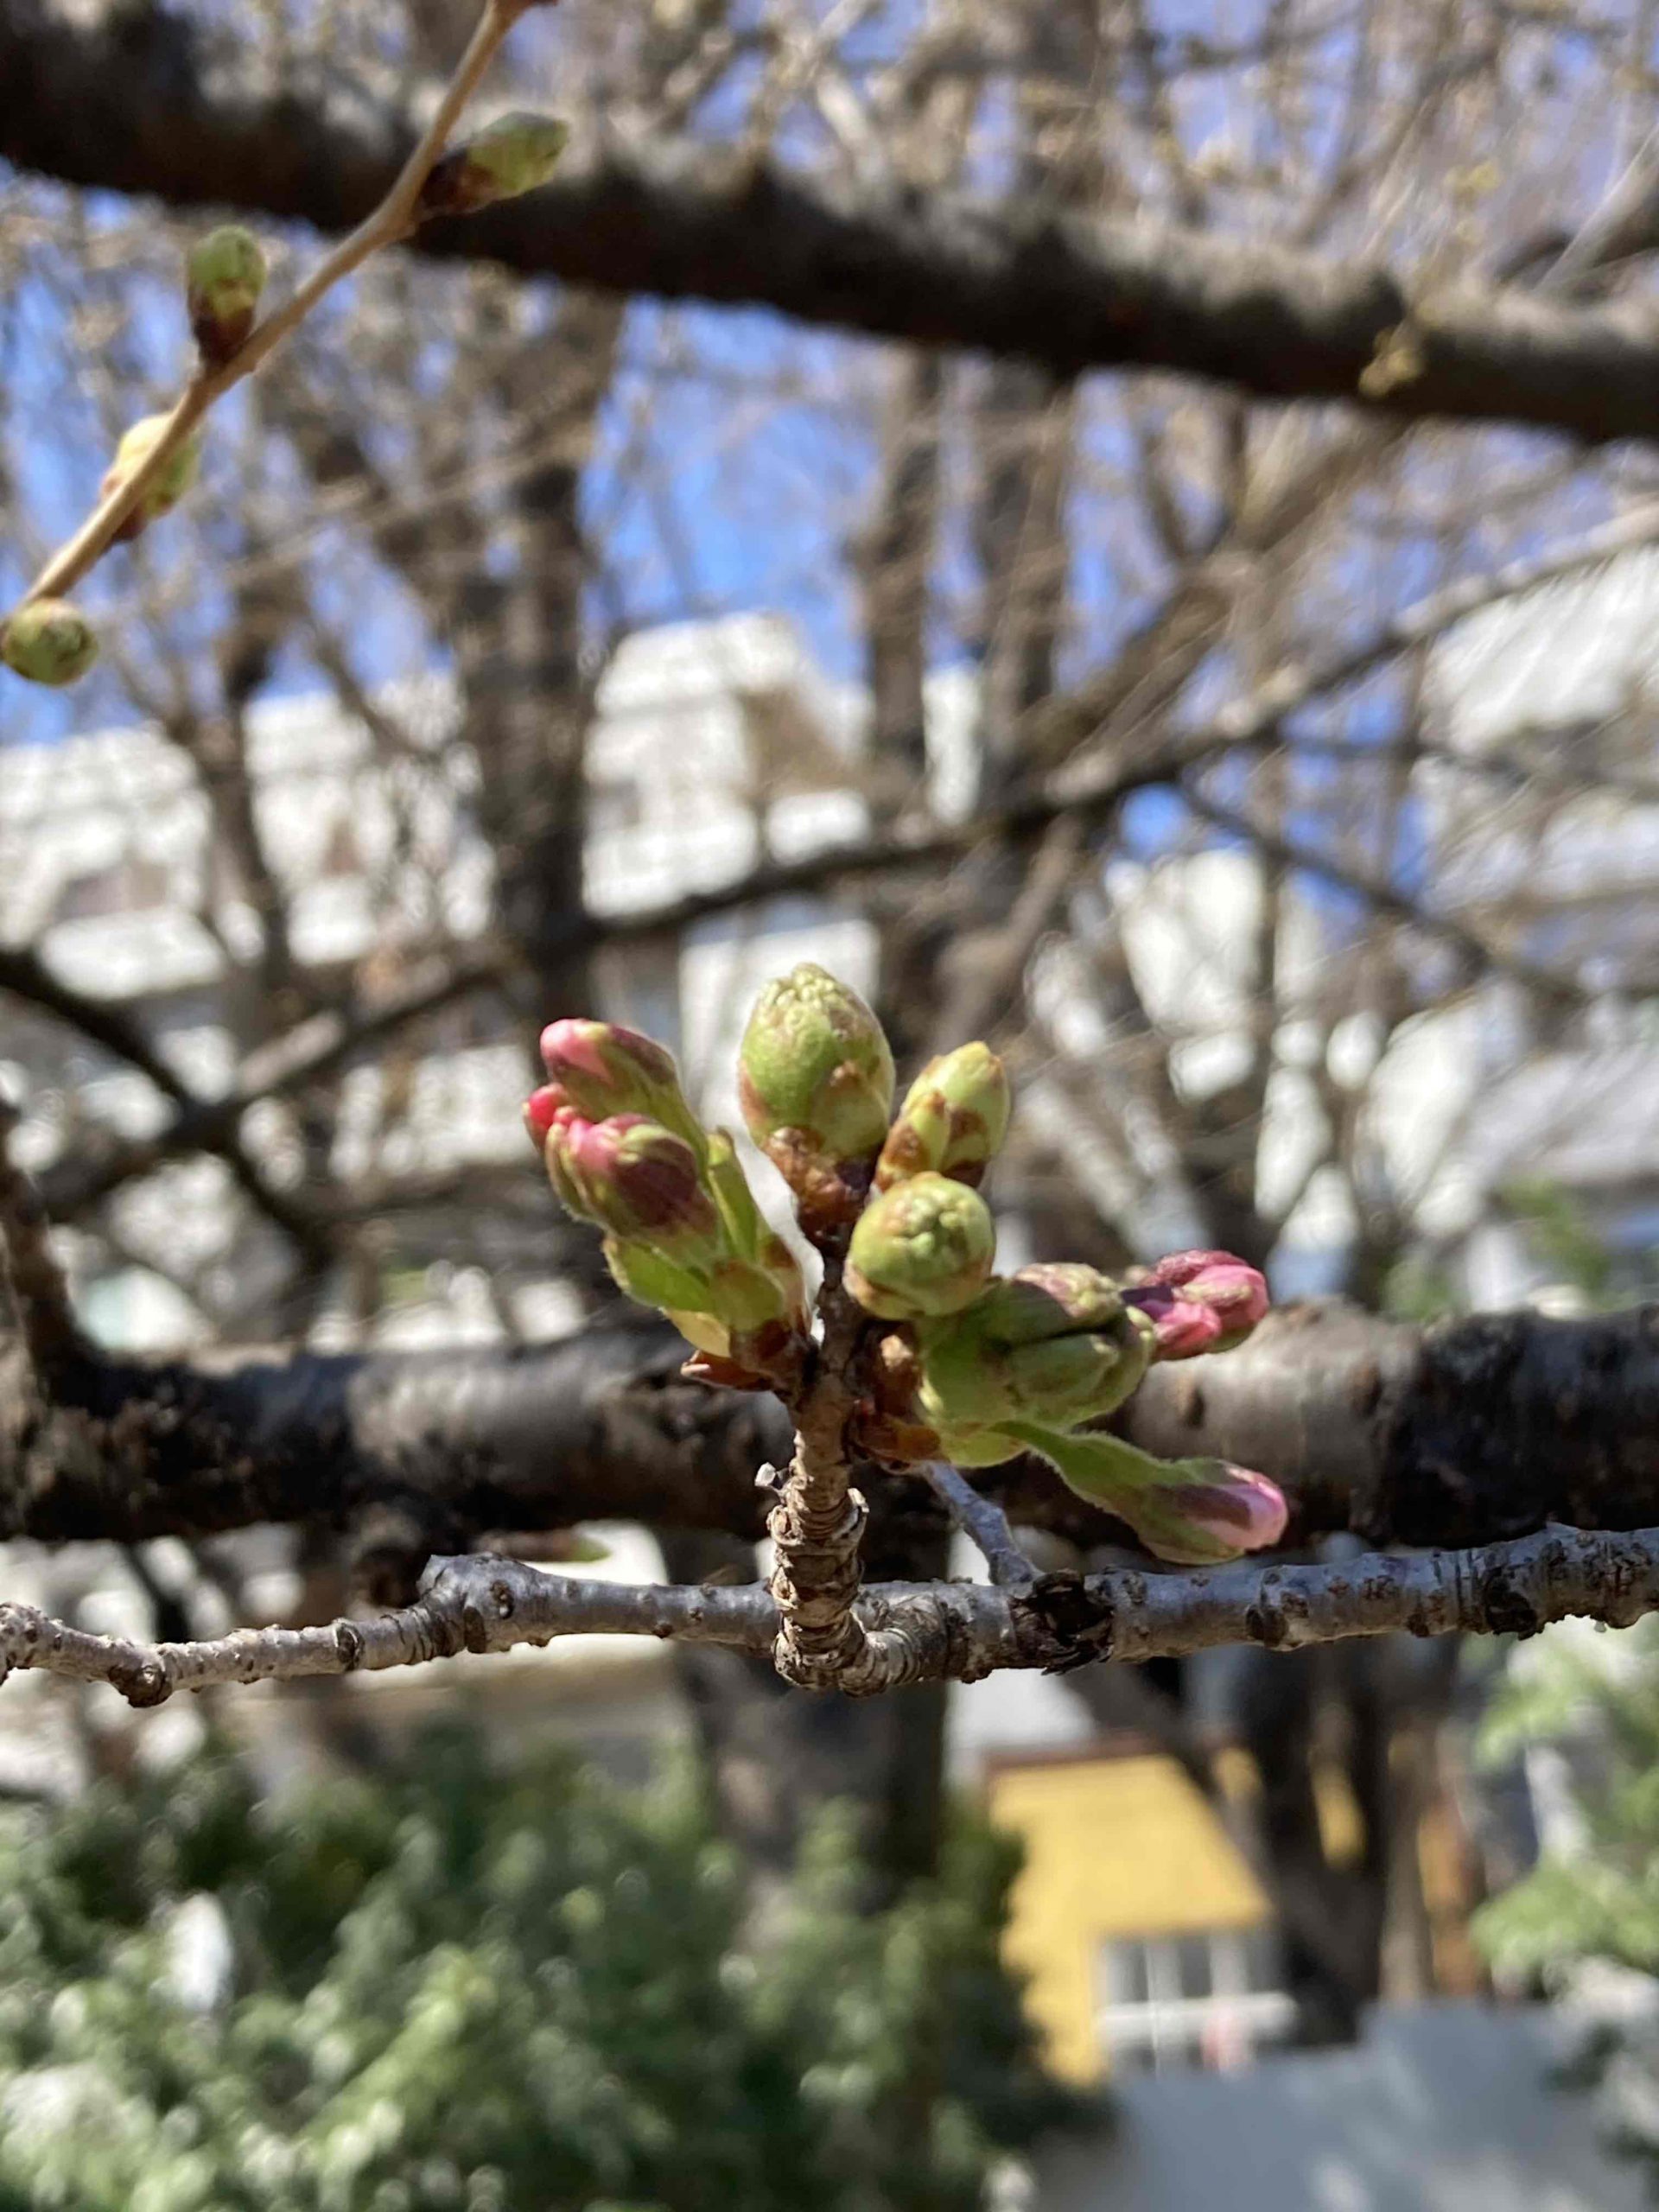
[451, 1988]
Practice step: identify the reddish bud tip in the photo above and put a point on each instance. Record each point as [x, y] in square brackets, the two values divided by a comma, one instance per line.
[1201, 1301]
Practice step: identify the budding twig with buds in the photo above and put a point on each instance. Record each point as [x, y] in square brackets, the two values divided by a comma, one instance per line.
[48, 641]
[919, 1358]
[224, 275]
[224, 279]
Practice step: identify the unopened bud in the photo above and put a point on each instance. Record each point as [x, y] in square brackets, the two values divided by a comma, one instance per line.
[815, 1081]
[953, 1121]
[560, 1128]
[513, 155]
[604, 1069]
[923, 1248]
[48, 641]
[177, 474]
[1052, 1343]
[647, 1274]
[225, 274]
[1193, 1512]
[540, 1107]
[749, 1236]
[747, 1325]
[1201, 1301]
[641, 1182]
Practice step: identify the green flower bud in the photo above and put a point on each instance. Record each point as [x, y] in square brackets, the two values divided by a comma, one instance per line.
[746, 1228]
[749, 1236]
[176, 477]
[1194, 1512]
[953, 1121]
[815, 1081]
[643, 1273]
[225, 274]
[750, 1326]
[746, 1296]
[513, 155]
[48, 641]
[924, 1248]
[1052, 1344]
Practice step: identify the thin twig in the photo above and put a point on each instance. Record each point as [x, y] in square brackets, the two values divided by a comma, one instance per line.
[912, 1632]
[985, 1524]
[391, 220]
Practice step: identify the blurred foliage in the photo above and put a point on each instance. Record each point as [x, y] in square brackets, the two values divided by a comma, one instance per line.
[450, 1986]
[1561, 1238]
[1591, 1902]
[1597, 1698]
[1418, 1288]
[1595, 1695]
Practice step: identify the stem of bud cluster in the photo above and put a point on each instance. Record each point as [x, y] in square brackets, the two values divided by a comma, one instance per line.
[818, 1524]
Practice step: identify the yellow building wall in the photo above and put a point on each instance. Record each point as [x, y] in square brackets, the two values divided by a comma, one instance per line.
[1114, 1848]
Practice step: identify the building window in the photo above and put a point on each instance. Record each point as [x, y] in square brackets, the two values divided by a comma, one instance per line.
[1210, 1999]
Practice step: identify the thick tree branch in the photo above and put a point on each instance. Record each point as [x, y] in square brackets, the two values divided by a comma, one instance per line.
[1469, 1431]
[143, 100]
[919, 1632]
[1463, 1433]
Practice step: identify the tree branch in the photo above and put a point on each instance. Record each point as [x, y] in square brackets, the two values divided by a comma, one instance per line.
[146, 101]
[985, 1525]
[316, 1047]
[380, 226]
[25, 975]
[27, 1267]
[1469, 1431]
[917, 1631]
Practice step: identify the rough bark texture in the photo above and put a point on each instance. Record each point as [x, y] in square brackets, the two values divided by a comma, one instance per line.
[1461, 1434]
[917, 1633]
[145, 102]
[1467, 1432]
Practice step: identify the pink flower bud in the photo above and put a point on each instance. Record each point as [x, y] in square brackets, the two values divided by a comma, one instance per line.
[540, 1107]
[1194, 1512]
[1226, 1510]
[642, 1182]
[564, 1128]
[604, 1069]
[1201, 1301]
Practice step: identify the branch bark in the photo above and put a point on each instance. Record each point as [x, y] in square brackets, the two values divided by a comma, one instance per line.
[1467, 1432]
[146, 101]
[922, 1633]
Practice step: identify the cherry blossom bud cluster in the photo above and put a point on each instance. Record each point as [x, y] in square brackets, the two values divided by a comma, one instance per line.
[682, 1232]
[953, 1362]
